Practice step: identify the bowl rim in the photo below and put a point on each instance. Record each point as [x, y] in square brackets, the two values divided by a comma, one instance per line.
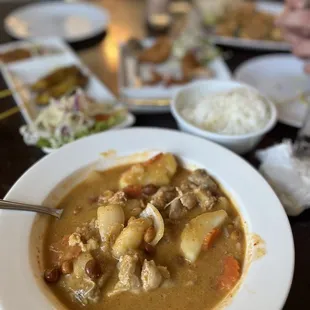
[202, 132]
[266, 283]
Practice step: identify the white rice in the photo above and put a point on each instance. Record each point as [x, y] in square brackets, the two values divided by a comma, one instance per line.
[236, 112]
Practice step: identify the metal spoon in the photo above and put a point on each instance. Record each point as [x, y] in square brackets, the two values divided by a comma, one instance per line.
[10, 205]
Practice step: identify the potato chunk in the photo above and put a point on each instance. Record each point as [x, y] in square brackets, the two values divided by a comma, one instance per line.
[131, 236]
[111, 220]
[196, 230]
[157, 171]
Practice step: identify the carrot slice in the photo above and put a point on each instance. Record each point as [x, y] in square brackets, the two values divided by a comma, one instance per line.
[230, 275]
[209, 240]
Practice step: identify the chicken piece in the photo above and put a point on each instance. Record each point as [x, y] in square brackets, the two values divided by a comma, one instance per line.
[189, 64]
[89, 230]
[83, 290]
[152, 276]
[158, 52]
[157, 171]
[80, 286]
[176, 210]
[131, 236]
[257, 29]
[104, 197]
[163, 196]
[245, 13]
[118, 198]
[75, 239]
[201, 178]
[206, 198]
[227, 28]
[128, 279]
[189, 201]
[187, 186]
[61, 251]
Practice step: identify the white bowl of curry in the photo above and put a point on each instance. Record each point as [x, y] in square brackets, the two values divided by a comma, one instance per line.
[165, 220]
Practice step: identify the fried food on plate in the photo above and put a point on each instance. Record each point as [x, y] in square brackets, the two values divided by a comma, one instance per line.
[15, 55]
[158, 52]
[54, 77]
[192, 67]
[67, 85]
[189, 64]
[245, 21]
[58, 83]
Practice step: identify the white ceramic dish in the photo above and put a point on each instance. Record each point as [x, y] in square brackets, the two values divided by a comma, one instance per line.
[149, 93]
[71, 21]
[282, 79]
[27, 72]
[194, 92]
[264, 6]
[265, 284]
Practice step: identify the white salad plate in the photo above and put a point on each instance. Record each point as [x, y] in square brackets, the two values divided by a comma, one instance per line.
[157, 93]
[281, 78]
[71, 21]
[19, 75]
[271, 7]
[266, 280]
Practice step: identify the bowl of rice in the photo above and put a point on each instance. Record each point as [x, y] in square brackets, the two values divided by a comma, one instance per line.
[232, 114]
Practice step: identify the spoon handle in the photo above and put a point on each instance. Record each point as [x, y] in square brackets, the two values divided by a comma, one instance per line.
[10, 205]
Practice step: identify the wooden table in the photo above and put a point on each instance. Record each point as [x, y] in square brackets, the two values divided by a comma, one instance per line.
[127, 20]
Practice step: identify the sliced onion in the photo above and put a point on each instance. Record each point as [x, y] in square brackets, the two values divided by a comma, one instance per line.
[196, 230]
[158, 222]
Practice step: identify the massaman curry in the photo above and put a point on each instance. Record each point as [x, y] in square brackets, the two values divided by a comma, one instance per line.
[151, 235]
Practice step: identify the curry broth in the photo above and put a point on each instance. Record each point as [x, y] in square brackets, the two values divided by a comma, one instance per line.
[195, 284]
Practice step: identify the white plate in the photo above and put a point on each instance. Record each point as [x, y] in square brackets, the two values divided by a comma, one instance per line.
[282, 79]
[264, 6]
[71, 21]
[30, 70]
[266, 282]
[218, 66]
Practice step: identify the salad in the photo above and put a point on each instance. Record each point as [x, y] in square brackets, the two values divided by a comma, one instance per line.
[70, 118]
